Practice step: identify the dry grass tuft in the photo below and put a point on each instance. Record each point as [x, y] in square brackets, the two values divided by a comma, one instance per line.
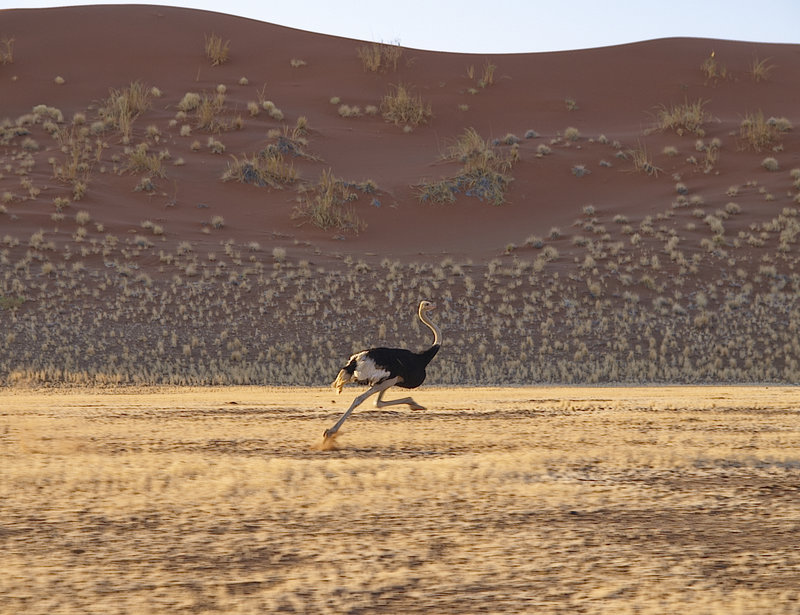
[217, 50]
[484, 174]
[326, 205]
[140, 161]
[401, 107]
[122, 107]
[758, 133]
[642, 161]
[7, 50]
[382, 57]
[712, 69]
[685, 117]
[270, 170]
[760, 69]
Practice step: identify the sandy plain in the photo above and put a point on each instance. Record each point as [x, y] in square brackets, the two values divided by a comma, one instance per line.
[501, 500]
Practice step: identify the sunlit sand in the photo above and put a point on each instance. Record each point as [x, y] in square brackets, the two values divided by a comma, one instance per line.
[597, 500]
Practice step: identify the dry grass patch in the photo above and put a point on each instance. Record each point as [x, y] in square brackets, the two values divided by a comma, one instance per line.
[326, 204]
[642, 161]
[141, 161]
[207, 113]
[712, 69]
[216, 49]
[7, 50]
[684, 117]
[759, 133]
[271, 170]
[484, 173]
[401, 107]
[377, 57]
[122, 107]
[760, 69]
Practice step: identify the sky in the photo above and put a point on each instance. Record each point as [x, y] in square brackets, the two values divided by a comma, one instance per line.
[508, 26]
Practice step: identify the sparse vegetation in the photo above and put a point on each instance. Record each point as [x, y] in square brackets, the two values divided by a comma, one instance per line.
[555, 307]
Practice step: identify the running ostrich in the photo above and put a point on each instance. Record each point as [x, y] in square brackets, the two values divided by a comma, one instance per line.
[382, 368]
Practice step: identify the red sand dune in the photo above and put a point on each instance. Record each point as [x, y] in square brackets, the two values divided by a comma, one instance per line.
[617, 90]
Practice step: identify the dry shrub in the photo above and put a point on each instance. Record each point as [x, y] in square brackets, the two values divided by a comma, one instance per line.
[7, 50]
[379, 56]
[140, 161]
[217, 50]
[685, 117]
[400, 106]
[642, 162]
[483, 173]
[760, 70]
[326, 205]
[757, 132]
[712, 69]
[122, 107]
[207, 112]
[270, 171]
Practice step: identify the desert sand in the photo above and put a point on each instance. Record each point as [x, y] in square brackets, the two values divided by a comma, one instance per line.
[497, 500]
[176, 214]
[190, 198]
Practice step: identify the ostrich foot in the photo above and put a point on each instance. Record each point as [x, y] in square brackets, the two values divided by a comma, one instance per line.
[328, 442]
[416, 406]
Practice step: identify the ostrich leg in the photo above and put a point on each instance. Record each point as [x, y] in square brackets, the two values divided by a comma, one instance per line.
[379, 403]
[378, 388]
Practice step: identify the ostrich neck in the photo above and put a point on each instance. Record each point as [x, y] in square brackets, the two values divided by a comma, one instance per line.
[437, 335]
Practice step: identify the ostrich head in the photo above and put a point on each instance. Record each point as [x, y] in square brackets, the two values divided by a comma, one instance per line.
[426, 306]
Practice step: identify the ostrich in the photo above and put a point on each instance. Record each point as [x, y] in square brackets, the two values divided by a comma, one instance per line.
[382, 368]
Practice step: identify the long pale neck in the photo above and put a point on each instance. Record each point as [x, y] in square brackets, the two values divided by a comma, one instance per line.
[437, 335]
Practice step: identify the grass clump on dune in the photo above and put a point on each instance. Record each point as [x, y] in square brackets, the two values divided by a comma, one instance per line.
[379, 56]
[483, 174]
[7, 50]
[642, 161]
[757, 132]
[270, 171]
[122, 107]
[140, 161]
[326, 205]
[400, 106]
[217, 50]
[685, 117]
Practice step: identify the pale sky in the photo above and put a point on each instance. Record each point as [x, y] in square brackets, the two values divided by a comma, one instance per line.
[508, 26]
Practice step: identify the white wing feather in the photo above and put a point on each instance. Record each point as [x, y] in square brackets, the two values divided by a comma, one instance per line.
[367, 370]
